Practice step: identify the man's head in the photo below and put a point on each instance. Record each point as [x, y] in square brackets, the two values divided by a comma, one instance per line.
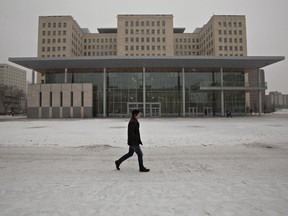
[136, 114]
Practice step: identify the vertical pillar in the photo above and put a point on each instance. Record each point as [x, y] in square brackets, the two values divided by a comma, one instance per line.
[65, 77]
[104, 92]
[33, 77]
[144, 92]
[222, 92]
[259, 92]
[183, 92]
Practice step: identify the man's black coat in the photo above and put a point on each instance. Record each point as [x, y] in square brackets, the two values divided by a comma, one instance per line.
[134, 133]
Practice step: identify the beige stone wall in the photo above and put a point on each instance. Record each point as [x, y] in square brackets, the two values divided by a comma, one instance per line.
[186, 44]
[100, 44]
[33, 96]
[40, 97]
[145, 35]
[230, 37]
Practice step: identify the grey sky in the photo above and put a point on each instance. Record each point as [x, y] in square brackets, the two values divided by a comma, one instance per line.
[267, 30]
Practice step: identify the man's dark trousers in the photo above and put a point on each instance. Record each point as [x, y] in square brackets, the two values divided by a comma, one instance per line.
[133, 149]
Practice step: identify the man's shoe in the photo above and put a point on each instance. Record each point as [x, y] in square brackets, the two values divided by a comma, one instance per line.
[117, 165]
[144, 169]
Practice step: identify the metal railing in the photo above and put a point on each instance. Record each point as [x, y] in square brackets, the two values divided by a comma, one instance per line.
[226, 85]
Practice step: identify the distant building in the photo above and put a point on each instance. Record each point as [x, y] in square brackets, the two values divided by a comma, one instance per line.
[13, 76]
[275, 100]
[144, 63]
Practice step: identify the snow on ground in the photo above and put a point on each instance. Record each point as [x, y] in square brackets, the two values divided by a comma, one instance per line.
[199, 166]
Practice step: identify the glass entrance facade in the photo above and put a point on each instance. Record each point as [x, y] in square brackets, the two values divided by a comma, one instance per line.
[163, 91]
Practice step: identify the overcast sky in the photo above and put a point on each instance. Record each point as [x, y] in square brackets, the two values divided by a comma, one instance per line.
[267, 30]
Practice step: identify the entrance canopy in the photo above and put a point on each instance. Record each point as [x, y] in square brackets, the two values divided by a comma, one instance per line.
[44, 65]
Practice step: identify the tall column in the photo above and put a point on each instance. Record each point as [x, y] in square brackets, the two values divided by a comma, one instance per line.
[104, 92]
[183, 92]
[144, 92]
[222, 92]
[259, 92]
[33, 77]
[65, 77]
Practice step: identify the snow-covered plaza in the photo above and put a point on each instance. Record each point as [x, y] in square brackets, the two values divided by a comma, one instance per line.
[199, 166]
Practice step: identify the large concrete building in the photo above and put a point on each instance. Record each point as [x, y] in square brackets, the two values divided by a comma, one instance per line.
[145, 63]
[275, 100]
[13, 76]
[142, 35]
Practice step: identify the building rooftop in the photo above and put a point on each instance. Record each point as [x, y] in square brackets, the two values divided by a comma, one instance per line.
[45, 64]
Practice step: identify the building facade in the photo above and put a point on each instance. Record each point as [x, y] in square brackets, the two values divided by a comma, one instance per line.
[275, 100]
[13, 76]
[148, 64]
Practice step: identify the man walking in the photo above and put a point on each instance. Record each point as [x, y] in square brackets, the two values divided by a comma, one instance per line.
[134, 142]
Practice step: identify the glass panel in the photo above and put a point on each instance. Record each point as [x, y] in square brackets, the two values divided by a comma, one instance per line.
[123, 88]
[165, 88]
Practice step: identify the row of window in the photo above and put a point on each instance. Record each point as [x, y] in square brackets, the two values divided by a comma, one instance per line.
[230, 54]
[181, 53]
[54, 25]
[59, 40]
[102, 40]
[53, 49]
[53, 55]
[53, 33]
[100, 53]
[147, 54]
[144, 23]
[148, 40]
[225, 40]
[100, 47]
[229, 24]
[61, 99]
[187, 46]
[186, 40]
[236, 48]
[143, 31]
[230, 32]
[144, 48]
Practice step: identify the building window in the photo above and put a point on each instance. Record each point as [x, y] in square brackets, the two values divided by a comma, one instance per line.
[71, 99]
[240, 32]
[43, 41]
[220, 48]
[54, 25]
[131, 23]
[43, 49]
[163, 23]
[50, 99]
[43, 25]
[220, 32]
[64, 24]
[40, 99]
[240, 24]
[64, 32]
[240, 40]
[126, 23]
[49, 25]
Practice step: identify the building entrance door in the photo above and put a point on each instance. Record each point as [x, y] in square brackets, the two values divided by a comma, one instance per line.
[152, 109]
[207, 111]
[193, 111]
